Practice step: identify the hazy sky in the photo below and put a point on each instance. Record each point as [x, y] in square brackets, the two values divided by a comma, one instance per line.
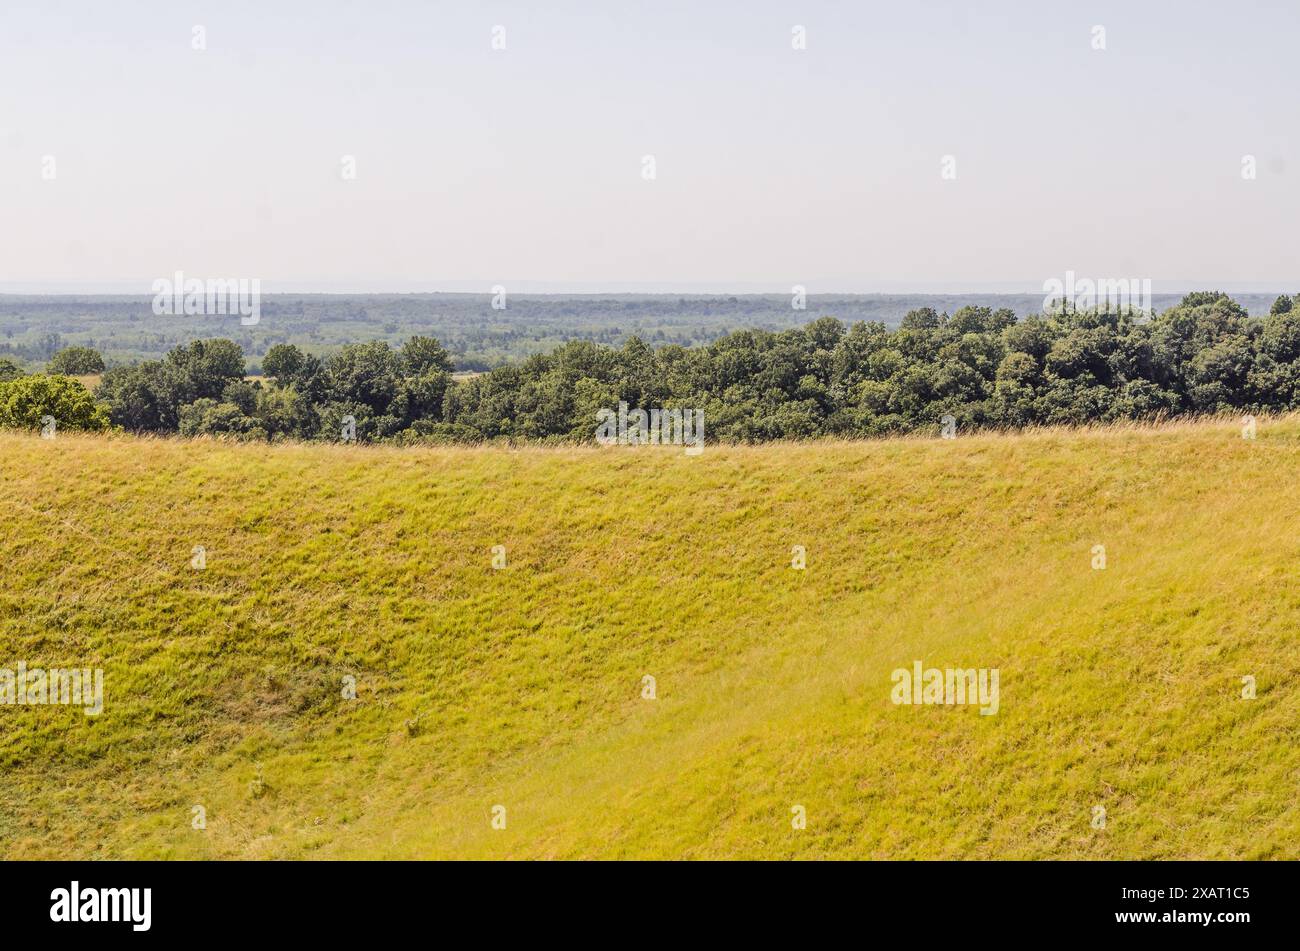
[774, 166]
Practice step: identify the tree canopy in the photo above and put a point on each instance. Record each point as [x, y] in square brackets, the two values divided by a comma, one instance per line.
[984, 367]
[25, 402]
[76, 361]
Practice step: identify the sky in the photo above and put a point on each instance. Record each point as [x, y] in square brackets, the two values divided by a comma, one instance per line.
[907, 147]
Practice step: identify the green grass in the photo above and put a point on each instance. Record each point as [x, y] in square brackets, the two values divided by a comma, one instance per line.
[522, 686]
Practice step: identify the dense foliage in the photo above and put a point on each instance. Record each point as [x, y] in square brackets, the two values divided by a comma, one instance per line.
[76, 361]
[27, 401]
[984, 367]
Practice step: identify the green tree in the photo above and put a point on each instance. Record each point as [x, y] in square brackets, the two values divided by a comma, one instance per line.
[76, 361]
[132, 396]
[283, 363]
[368, 374]
[207, 417]
[204, 368]
[9, 370]
[421, 355]
[25, 401]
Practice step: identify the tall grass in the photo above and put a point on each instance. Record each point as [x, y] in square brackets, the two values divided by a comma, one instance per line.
[523, 686]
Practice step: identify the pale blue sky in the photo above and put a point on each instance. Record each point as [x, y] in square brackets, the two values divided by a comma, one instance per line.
[774, 166]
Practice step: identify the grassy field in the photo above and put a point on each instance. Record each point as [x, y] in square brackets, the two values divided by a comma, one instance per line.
[522, 687]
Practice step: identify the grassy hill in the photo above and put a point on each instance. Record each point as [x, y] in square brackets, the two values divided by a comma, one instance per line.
[522, 687]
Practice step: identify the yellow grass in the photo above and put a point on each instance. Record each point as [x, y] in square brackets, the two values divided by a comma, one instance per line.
[522, 687]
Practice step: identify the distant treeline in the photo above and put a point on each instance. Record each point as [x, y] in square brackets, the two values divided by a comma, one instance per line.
[983, 366]
[125, 329]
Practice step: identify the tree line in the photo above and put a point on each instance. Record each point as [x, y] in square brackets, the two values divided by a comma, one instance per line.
[982, 366]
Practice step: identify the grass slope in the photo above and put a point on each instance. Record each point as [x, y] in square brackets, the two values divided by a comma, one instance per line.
[522, 686]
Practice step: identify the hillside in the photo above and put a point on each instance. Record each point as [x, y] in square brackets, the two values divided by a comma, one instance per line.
[522, 686]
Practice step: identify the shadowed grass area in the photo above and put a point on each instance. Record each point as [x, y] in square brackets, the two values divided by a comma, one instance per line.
[522, 687]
